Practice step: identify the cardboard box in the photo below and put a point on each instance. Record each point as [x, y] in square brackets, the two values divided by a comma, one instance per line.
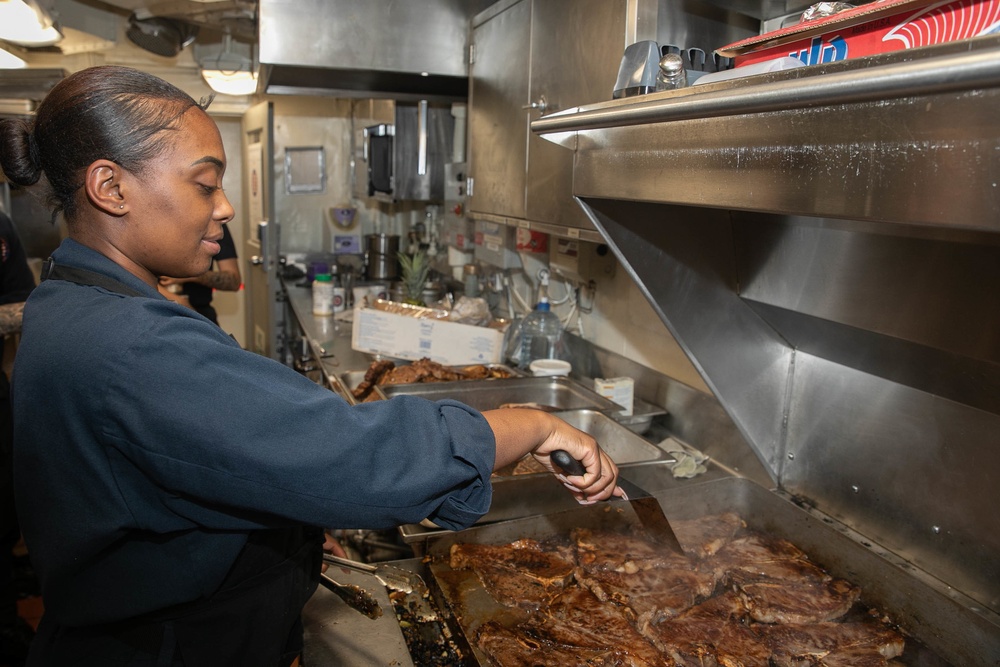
[621, 390]
[412, 338]
[877, 27]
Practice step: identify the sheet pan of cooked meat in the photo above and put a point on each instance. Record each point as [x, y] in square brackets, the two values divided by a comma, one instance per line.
[385, 372]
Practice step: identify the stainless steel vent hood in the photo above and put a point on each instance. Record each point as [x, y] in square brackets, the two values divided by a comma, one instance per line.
[824, 243]
[31, 84]
[358, 48]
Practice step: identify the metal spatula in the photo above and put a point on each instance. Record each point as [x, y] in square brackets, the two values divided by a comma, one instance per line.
[646, 507]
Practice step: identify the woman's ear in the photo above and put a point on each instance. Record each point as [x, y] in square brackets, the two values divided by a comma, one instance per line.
[102, 183]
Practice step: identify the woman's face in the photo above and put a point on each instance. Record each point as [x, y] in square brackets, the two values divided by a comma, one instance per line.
[176, 206]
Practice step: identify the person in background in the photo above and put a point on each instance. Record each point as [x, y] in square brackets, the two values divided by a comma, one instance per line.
[16, 283]
[168, 481]
[225, 275]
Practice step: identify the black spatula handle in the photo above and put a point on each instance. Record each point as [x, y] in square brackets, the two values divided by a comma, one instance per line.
[567, 463]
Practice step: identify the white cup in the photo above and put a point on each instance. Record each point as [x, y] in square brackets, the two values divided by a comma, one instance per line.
[361, 296]
[550, 367]
[339, 300]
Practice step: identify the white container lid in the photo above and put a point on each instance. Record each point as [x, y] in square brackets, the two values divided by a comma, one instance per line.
[550, 367]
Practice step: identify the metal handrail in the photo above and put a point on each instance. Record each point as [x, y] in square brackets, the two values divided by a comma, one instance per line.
[940, 74]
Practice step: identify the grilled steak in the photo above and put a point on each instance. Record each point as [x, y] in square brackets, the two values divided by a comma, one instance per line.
[403, 375]
[756, 549]
[527, 556]
[856, 644]
[779, 584]
[510, 648]
[786, 601]
[514, 588]
[385, 372]
[710, 634]
[576, 617]
[649, 596]
[520, 574]
[793, 569]
[481, 372]
[704, 536]
[619, 552]
[375, 371]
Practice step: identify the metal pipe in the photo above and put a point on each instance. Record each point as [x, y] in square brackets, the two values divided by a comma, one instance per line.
[966, 71]
[422, 137]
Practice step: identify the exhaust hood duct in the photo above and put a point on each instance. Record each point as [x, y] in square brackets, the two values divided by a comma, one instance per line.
[405, 51]
[162, 36]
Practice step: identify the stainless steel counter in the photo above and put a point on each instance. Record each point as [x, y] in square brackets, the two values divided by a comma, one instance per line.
[328, 338]
[337, 635]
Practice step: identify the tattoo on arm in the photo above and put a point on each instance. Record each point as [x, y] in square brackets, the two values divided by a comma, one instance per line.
[226, 277]
[224, 280]
[10, 317]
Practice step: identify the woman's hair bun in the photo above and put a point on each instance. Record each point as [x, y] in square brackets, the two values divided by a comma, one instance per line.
[19, 156]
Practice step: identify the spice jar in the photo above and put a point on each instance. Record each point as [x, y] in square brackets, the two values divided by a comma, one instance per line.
[322, 289]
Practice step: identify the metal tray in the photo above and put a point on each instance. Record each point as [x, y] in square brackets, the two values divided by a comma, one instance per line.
[642, 416]
[351, 379]
[945, 624]
[554, 393]
[515, 496]
[620, 443]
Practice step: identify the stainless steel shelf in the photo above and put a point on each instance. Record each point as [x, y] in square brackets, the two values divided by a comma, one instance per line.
[940, 74]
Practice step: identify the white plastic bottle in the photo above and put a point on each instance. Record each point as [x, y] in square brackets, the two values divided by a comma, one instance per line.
[322, 288]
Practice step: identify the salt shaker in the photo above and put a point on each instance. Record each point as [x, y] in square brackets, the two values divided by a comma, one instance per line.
[671, 75]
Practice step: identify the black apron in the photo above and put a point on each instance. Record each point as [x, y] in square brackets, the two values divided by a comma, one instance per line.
[254, 619]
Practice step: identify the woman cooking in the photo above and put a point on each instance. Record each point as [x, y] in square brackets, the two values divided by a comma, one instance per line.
[170, 520]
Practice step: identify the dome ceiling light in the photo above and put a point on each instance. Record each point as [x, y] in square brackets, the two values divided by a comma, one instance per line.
[27, 23]
[229, 72]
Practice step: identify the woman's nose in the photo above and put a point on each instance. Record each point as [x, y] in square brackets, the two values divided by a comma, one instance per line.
[224, 211]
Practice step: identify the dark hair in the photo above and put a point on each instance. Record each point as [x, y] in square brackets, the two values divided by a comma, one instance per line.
[108, 112]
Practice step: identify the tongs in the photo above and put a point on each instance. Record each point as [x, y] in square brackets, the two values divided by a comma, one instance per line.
[393, 578]
[356, 597]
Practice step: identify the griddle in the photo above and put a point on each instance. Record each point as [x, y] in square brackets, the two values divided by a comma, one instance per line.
[942, 627]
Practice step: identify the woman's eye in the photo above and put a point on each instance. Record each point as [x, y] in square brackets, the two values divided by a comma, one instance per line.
[209, 189]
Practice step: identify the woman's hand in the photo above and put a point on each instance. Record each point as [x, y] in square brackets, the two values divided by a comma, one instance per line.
[520, 431]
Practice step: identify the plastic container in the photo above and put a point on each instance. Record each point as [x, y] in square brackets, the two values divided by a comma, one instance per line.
[322, 289]
[541, 335]
[550, 367]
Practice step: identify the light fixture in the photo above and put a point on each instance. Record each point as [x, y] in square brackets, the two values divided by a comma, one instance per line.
[26, 23]
[162, 36]
[228, 72]
[9, 61]
[240, 82]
